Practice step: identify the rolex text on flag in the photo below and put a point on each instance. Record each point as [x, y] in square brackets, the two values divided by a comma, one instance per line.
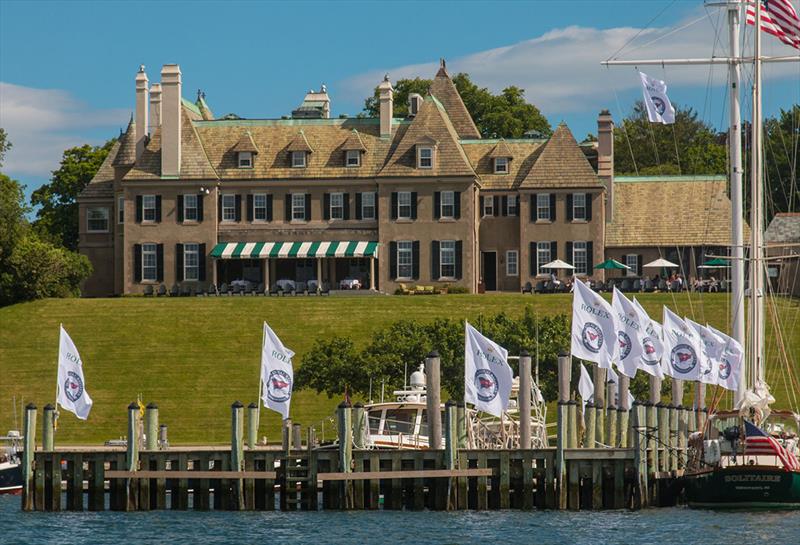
[659, 108]
[71, 392]
[631, 334]
[277, 377]
[594, 327]
[729, 366]
[652, 345]
[682, 348]
[487, 375]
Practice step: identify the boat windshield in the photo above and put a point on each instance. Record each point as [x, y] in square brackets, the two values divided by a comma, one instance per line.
[400, 421]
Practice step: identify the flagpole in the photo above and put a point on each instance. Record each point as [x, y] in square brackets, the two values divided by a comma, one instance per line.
[55, 406]
[260, 366]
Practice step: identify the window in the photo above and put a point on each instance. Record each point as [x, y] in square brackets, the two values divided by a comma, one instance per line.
[353, 158]
[579, 206]
[337, 206]
[404, 260]
[404, 205]
[191, 261]
[632, 261]
[298, 206]
[501, 165]
[368, 206]
[488, 206]
[229, 208]
[512, 263]
[298, 159]
[447, 259]
[148, 208]
[190, 207]
[580, 257]
[97, 218]
[260, 207]
[512, 205]
[448, 206]
[120, 209]
[542, 256]
[425, 158]
[543, 206]
[149, 262]
[245, 159]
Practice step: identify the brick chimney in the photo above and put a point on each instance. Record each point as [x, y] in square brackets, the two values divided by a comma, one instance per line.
[171, 120]
[387, 105]
[155, 108]
[140, 134]
[605, 158]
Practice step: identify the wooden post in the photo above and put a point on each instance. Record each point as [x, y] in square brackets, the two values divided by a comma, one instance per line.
[286, 435]
[564, 376]
[48, 428]
[297, 437]
[29, 439]
[699, 404]
[132, 457]
[655, 389]
[461, 424]
[641, 496]
[524, 400]
[237, 453]
[674, 434]
[677, 392]
[623, 414]
[663, 436]
[151, 426]
[252, 425]
[360, 426]
[451, 434]
[600, 404]
[591, 415]
[652, 422]
[345, 422]
[572, 428]
[683, 435]
[433, 394]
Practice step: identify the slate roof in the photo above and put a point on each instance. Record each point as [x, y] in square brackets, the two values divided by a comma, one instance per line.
[299, 143]
[102, 184]
[354, 142]
[245, 143]
[126, 155]
[445, 91]
[561, 163]
[784, 227]
[523, 155]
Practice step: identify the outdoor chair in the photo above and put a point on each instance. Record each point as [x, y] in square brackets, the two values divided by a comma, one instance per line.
[302, 288]
[162, 290]
[648, 287]
[260, 289]
[637, 285]
[325, 289]
[527, 288]
[627, 285]
[186, 290]
[725, 286]
[174, 291]
[675, 286]
[662, 285]
[539, 287]
[148, 291]
[237, 290]
[275, 290]
[212, 290]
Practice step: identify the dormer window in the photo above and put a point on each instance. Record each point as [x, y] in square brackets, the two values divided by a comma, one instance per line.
[353, 158]
[424, 157]
[245, 159]
[501, 165]
[298, 159]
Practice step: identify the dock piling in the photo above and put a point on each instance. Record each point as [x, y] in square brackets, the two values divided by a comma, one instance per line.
[151, 426]
[524, 400]
[48, 428]
[132, 457]
[252, 425]
[434, 399]
[237, 453]
[29, 431]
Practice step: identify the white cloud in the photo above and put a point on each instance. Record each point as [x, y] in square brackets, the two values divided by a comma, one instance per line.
[42, 123]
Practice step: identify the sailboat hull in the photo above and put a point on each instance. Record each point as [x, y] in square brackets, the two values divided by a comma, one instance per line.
[744, 487]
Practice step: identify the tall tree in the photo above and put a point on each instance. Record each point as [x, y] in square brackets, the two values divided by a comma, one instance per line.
[5, 145]
[781, 156]
[57, 215]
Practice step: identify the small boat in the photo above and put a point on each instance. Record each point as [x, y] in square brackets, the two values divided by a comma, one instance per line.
[10, 463]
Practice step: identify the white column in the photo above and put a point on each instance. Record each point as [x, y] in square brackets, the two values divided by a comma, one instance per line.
[319, 273]
[372, 273]
[214, 272]
[266, 273]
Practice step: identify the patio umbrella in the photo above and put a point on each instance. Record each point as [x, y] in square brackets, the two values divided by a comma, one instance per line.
[611, 264]
[716, 263]
[558, 264]
[661, 263]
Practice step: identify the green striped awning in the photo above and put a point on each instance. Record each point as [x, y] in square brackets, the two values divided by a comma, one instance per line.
[261, 250]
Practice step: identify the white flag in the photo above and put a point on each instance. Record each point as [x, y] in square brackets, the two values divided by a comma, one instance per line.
[659, 108]
[585, 387]
[682, 348]
[277, 377]
[631, 334]
[72, 394]
[652, 344]
[487, 375]
[594, 327]
[710, 357]
[730, 365]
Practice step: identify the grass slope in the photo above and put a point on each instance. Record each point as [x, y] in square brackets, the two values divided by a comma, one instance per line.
[195, 356]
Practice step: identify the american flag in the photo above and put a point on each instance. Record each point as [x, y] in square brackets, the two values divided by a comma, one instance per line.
[778, 18]
[758, 443]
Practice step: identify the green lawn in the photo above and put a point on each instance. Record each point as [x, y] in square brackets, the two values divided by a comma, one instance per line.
[195, 356]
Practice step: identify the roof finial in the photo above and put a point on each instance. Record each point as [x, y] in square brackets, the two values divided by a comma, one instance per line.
[442, 63]
[323, 88]
[200, 95]
[141, 68]
[386, 76]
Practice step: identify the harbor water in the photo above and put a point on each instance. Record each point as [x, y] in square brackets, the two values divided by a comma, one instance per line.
[649, 526]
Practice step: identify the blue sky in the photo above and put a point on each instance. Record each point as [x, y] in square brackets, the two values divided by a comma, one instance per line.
[67, 68]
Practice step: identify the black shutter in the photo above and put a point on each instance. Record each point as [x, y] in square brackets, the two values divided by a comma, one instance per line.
[568, 257]
[200, 199]
[358, 206]
[414, 206]
[269, 207]
[589, 258]
[137, 261]
[138, 209]
[393, 260]
[552, 207]
[326, 206]
[394, 205]
[639, 265]
[308, 207]
[480, 212]
[437, 205]
[457, 204]
[415, 259]
[533, 206]
[588, 207]
[160, 262]
[158, 208]
[435, 260]
[346, 206]
[504, 211]
[496, 206]
[553, 250]
[219, 208]
[179, 262]
[375, 200]
[287, 200]
[250, 211]
[238, 207]
[569, 207]
[180, 208]
[201, 262]
[533, 259]
[459, 246]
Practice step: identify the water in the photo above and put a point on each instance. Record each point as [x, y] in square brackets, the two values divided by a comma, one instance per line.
[654, 526]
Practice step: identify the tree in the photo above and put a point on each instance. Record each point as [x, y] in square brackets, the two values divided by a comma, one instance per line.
[507, 115]
[57, 216]
[12, 216]
[5, 145]
[689, 146]
[781, 155]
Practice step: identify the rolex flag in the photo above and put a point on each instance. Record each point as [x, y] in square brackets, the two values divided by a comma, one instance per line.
[711, 354]
[682, 348]
[71, 391]
[487, 375]
[659, 108]
[650, 362]
[594, 327]
[631, 334]
[277, 377]
[730, 363]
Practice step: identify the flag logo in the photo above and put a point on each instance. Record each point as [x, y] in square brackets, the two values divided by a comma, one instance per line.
[724, 369]
[683, 358]
[624, 345]
[592, 337]
[486, 385]
[649, 352]
[279, 386]
[73, 386]
[659, 104]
